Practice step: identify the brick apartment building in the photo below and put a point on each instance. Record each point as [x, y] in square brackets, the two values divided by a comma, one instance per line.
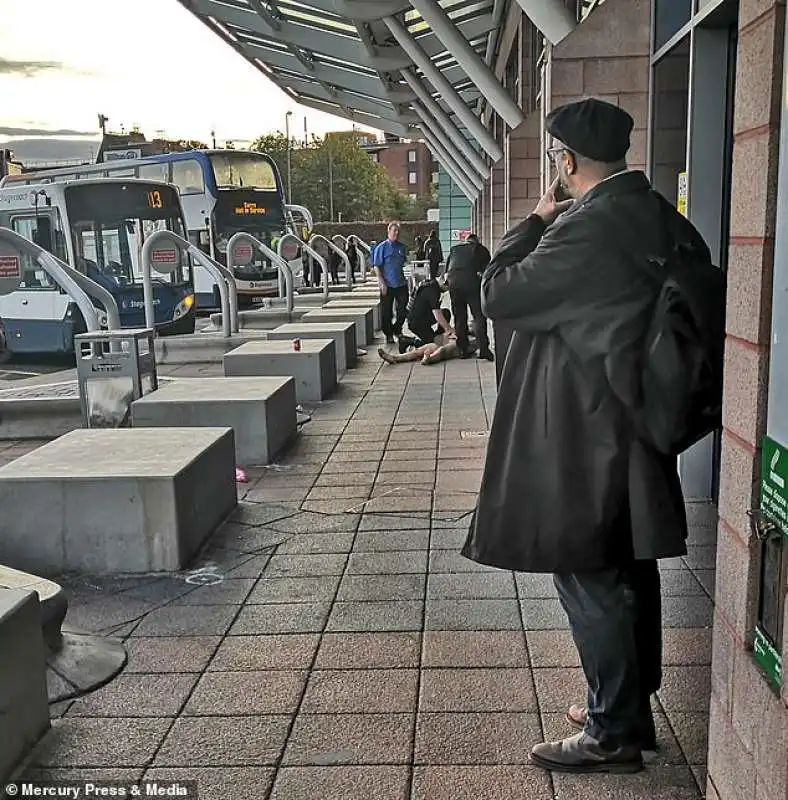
[410, 166]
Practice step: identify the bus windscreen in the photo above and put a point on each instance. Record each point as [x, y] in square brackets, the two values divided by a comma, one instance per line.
[110, 222]
[243, 171]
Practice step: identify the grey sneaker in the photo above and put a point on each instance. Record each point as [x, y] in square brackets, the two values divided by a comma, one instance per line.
[583, 754]
[577, 717]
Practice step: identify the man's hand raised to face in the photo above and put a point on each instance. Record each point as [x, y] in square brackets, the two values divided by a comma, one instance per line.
[548, 208]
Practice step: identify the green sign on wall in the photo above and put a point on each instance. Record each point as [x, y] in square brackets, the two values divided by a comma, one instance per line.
[774, 483]
[774, 509]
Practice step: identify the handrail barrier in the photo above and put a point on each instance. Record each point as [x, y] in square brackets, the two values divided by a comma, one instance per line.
[288, 237]
[160, 252]
[243, 255]
[342, 254]
[12, 245]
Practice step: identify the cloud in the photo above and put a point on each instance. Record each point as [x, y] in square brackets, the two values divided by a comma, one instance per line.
[11, 131]
[27, 68]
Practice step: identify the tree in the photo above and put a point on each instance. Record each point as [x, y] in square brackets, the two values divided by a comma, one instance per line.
[336, 175]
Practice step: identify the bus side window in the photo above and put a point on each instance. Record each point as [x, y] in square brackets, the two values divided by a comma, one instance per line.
[34, 229]
[187, 176]
[154, 172]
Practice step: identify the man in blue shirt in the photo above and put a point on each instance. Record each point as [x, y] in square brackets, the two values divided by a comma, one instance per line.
[388, 259]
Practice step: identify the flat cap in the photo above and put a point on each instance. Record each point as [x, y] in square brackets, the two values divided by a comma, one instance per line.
[592, 128]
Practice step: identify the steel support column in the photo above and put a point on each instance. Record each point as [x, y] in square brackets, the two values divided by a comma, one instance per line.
[470, 175]
[446, 90]
[449, 163]
[473, 66]
[551, 17]
[466, 190]
[445, 122]
[473, 176]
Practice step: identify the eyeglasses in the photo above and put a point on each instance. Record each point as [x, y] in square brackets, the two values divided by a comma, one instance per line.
[554, 152]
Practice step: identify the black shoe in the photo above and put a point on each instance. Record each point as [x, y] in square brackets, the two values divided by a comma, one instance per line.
[486, 355]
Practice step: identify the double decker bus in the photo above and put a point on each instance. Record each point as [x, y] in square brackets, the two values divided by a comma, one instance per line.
[222, 192]
[97, 227]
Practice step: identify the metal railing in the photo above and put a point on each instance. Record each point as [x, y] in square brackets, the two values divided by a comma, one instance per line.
[339, 251]
[312, 252]
[282, 266]
[77, 286]
[165, 242]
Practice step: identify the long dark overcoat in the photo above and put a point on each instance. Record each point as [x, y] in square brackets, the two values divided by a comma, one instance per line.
[567, 487]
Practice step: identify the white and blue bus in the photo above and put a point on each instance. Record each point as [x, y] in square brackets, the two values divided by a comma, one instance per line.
[222, 192]
[97, 227]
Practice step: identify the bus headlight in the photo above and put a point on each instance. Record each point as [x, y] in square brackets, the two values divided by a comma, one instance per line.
[183, 307]
[103, 319]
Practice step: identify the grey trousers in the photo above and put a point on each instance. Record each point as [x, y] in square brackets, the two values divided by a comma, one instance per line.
[616, 621]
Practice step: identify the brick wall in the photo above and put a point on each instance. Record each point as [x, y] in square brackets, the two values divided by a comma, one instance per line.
[524, 182]
[394, 159]
[748, 739]
[608, 57]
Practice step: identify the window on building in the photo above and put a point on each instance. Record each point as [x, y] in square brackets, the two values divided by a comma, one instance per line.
[374, 157]
[413, 197]
[412, 178]
[411, 156]
[435, 177]
[669, 17]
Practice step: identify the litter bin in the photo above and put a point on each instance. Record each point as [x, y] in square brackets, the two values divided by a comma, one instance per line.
[114, 368]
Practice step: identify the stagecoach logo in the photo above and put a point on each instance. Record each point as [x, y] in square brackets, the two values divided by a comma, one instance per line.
[133, 304]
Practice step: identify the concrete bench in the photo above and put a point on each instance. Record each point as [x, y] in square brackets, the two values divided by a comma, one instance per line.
[50, 595]
[361, 317]
[126, 500]
[343, 334]
[314, 366]
[261, 411]
[24, 708]
[359, 302]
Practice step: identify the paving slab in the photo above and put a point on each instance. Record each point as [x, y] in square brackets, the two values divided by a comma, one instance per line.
[358, 655]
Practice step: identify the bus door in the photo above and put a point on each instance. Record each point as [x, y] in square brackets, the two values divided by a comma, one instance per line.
[36, 316]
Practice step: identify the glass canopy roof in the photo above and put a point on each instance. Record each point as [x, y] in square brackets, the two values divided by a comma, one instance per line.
[350, 67]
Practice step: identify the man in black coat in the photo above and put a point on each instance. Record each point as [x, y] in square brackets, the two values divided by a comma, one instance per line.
[464, 267]
[567, 487]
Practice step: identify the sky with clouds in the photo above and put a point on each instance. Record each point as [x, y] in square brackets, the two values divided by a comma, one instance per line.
[139, 62]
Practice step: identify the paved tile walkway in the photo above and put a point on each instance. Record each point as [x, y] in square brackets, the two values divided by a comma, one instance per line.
[331, 644]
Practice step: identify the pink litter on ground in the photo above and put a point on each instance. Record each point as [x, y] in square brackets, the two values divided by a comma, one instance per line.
[240, 476]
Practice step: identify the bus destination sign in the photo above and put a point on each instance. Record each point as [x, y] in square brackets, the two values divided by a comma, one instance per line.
[250, 208]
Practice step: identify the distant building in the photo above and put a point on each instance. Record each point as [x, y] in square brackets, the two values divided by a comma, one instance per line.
[115, 146]
[410, 166]
[408, 162]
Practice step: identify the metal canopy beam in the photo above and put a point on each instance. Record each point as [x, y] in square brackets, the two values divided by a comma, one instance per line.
[448, 163]
[551, 17]
[395, 128]
[436, 78]
[473, 66]
[337, 45]
[333, 94]
[432, 110]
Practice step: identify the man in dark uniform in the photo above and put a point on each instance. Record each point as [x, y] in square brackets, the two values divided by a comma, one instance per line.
[426, 318]
[464, 269]
[568, 487]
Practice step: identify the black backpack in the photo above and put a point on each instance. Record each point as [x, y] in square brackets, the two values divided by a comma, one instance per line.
[683, 353]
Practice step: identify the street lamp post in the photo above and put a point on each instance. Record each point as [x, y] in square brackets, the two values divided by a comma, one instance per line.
[289, 166]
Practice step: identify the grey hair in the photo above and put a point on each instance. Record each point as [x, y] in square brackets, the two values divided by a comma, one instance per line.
[599, 169]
